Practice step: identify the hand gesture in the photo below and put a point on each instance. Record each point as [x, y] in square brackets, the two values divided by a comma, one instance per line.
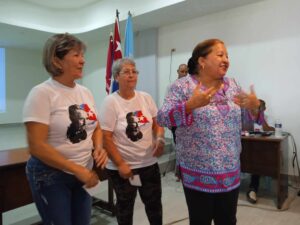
[201, 98]
[247, 101]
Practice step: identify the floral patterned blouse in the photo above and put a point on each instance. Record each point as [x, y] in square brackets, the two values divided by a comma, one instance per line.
[208, 140]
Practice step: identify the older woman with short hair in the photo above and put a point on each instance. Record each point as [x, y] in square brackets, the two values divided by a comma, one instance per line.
[133, 141]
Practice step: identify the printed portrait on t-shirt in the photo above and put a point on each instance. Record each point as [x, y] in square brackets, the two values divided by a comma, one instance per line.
[80, 116]
[134, 120]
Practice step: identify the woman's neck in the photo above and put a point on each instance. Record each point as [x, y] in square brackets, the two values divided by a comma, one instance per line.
[126, 94]
[207, 81]
[64, 81]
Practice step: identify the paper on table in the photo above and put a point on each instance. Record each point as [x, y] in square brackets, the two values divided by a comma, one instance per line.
[93, 190]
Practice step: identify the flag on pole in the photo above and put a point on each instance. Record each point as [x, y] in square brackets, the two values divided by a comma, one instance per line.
[109, 63]
[117, 49]
[129, 44]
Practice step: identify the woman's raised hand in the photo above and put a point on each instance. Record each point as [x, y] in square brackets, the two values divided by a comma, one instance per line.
[201, 98]
[247, 101]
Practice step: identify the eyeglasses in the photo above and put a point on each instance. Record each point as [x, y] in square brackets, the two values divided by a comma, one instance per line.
[128, 72]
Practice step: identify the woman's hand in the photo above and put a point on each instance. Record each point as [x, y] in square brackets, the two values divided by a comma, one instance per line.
[158, 146]
[247, 101]
[200, 98]
[125, 171]
[100, 157]
[88, 177]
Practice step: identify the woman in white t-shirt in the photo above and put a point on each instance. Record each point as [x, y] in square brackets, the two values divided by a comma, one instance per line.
[133, 141]
[64, 136]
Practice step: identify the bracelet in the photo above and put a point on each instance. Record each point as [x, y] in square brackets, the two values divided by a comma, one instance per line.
[161, 139]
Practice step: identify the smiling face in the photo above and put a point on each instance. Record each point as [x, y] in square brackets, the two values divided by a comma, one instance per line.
[127, 77]
[72, 64]
[216, 63]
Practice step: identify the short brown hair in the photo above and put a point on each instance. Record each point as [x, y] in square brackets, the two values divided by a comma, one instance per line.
[58, 46]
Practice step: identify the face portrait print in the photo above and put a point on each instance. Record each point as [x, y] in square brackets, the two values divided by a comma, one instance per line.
[132, 130]
[76, 131]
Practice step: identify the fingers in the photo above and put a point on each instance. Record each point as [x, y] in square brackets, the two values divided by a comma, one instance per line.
[252, 89]
[210, 92]
[100, 158]
[158, 150]
[248, 101]
[125, 171]
[92, 180]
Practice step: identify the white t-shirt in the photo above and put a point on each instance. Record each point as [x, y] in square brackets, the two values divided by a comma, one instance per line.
[70, 114]
[131, 123]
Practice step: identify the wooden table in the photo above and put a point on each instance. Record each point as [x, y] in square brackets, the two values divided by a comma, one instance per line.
[267, 156]
[14, 187]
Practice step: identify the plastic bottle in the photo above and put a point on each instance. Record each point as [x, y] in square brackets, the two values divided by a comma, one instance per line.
[278, 128]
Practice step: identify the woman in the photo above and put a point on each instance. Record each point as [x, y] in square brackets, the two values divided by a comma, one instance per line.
[255, 121]
[133, 141]
[64, 136]
[206, 108]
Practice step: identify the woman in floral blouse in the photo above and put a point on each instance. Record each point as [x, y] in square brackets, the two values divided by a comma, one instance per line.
[205, 106]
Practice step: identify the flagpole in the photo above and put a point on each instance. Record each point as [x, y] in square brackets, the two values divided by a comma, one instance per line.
[117, 14]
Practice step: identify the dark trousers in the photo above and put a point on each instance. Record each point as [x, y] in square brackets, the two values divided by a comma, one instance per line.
[254, 183]
[150, 193]
[207, 207]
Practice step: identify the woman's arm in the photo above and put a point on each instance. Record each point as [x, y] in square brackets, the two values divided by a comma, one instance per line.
[159, 136]
[173, 111]
[114, 155]
[100, 155]
[37, 134]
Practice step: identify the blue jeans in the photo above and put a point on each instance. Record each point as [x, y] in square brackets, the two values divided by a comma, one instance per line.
[59, 196]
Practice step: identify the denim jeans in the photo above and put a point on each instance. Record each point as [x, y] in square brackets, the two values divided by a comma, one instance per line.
[59, 196]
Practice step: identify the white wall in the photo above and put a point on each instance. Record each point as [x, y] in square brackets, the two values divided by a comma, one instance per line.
[23, 71]
[263, 41]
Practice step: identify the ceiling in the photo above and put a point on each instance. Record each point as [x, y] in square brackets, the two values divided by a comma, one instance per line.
[28, 23]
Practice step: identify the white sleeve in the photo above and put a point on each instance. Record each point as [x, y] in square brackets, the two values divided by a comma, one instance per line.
[108, 114]
[37, 106]
[152, 106]
[93, 102]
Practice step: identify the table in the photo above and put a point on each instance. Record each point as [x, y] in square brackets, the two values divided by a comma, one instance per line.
[267, 156]
[14, 187]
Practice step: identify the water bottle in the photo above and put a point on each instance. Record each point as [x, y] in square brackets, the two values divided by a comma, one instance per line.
[278, 128]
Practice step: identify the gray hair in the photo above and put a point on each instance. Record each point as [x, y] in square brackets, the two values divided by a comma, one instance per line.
[118, 65]
[58, 46]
